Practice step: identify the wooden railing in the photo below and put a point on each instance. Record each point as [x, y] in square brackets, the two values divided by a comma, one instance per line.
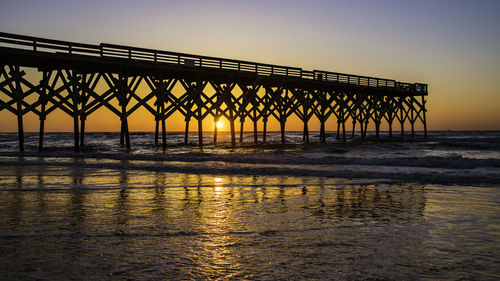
[142, 54]
[189, 60]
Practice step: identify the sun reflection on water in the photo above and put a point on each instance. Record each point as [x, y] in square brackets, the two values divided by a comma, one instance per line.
[218, 183]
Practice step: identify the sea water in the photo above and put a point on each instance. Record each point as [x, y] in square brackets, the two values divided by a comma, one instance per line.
[401, 208]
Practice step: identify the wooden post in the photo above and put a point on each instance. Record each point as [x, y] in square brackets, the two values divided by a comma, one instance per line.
[353, 127]
[231, 122]
[322, 134]
[200, 130]
[361, 128]
[343, 130]
[282, 127]
[83, 116]
[186, 131]
[402, 120]
[342, 115]
[157, 116]
[75, 98]
[19, 99]
[424, 118]
[42, 125]
[216, 119]
[377, 129]
[75, 128]
[122, 131]
[412, 120]
[305, 134]
[121, 101]
[43, 102]
[124, 136]
[264, 130]
[160, 113]
[157, 125]
[163, 133]
[242, 122]
[390, 128]
[82, 129]
[255, 136]
[199, 106]
[366, 128]
[338, 129]
[127, 133]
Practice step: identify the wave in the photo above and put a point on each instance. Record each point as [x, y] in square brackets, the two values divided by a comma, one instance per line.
[450, 161]
[373, 171]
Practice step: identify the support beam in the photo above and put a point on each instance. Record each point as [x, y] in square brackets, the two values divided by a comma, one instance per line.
[322, 132]
[254, 120]
[157, 127]
[338, 129]
[282, 127]
[83, 97]
[343, 131]
[199, 117]
[305, 134]
[412, 118]
[233, 133]
[242, 122]
[19, 98]
[255, 136]
[163, 134]
[186, 131]
[216, 119]
[123, 99]
[361, 126]
[264, 130]
[423, 116]
[200, 129]
[76, 112]
[43, 103]
[41, 131]
[365, 129]
[402, 120]
[353, 128]
[82, 129]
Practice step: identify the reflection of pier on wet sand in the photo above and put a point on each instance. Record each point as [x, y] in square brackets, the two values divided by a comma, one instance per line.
[126, 193]
[58, 221]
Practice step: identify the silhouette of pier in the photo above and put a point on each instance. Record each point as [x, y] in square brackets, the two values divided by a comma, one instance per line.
[212, 87]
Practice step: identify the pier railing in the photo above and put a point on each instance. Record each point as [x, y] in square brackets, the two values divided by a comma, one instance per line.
[37, 44]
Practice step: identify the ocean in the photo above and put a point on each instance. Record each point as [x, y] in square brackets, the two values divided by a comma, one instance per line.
[402, 208]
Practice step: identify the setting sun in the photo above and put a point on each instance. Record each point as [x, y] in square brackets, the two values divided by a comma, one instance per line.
[219, 124]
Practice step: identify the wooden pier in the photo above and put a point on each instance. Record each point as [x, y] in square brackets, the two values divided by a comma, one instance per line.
[213, 88]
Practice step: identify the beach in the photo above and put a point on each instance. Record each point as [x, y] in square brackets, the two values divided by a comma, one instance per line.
[403, 208]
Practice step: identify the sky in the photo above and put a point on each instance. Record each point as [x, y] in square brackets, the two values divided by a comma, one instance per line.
[454, 46]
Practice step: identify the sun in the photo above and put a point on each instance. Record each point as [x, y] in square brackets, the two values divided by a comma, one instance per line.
[219, 124]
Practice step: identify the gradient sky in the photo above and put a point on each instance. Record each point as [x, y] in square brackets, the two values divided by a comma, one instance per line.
[454, 46]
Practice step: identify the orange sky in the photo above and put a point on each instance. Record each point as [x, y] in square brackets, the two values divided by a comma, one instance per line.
[451, 45]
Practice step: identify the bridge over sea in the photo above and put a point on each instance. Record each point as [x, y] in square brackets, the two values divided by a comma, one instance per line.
[212, 87]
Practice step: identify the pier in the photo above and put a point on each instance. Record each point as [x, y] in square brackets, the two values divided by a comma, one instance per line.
[212, 88]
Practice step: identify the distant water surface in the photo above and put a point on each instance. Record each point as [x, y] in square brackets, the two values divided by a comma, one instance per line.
[409, 208]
